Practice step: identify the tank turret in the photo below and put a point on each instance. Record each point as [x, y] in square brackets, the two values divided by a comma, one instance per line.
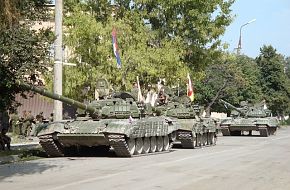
[248, 111]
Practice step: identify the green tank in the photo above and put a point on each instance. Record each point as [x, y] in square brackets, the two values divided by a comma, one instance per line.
[248, 118]
[116, 121]
[193, 130]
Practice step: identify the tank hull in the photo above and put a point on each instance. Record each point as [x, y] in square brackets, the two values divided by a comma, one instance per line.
[126, 136]
[237, 126]
[193, 133]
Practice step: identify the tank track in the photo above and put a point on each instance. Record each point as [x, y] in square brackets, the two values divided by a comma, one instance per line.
[264, 132]
[118, 142]
[186, 140]
[50, 146]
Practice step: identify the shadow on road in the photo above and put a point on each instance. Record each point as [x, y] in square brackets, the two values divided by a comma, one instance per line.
[23, 168]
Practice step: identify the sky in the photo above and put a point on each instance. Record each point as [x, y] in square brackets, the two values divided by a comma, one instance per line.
[272, 26]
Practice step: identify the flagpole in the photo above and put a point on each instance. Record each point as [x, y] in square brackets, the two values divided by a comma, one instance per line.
[178, 88]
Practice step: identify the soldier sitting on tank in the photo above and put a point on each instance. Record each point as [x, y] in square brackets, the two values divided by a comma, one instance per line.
[162, 98]
[103, 89]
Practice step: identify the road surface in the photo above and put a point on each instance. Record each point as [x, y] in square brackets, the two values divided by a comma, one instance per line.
[234, 163]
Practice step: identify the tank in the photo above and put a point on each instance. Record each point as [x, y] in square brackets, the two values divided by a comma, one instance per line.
[193, 130]
[117, 121]
[248, 118]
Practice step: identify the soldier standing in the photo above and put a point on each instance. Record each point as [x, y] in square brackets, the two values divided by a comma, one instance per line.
[28, 120]
[14, 123]
[4, 127]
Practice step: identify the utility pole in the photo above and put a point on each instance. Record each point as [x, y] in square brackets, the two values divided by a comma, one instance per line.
[57, 82]
[240, 38]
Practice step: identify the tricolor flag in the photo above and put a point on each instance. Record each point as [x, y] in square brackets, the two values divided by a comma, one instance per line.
[115, 48]
[190, 92]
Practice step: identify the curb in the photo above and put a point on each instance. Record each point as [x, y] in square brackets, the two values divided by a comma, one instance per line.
[24, 145]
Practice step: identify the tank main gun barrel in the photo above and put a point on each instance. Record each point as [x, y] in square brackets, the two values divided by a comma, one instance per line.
[231, 106]
[54, 96]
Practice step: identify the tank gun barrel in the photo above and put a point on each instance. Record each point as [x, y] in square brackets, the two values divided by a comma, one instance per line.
[54, 96]
[230, 106]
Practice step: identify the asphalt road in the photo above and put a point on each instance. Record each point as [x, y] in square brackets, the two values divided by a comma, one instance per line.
[234, 163]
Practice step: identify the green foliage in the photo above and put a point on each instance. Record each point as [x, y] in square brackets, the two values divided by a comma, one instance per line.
[222, 80]
[287, 67]
[156, 39]
[275, 83]
[23, 51]
[252, 91]
[199, 24]
[140, 56]
[13, 11]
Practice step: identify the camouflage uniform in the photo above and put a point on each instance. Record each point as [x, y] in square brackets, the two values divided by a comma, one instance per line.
[27, 124]
[14, 123]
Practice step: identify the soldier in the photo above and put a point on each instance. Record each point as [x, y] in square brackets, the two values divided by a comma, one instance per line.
[103, 89]
[135, 90]
[27, 124]
[14, 123]
[50, 119]
[4, 139]
[4, 127]
[39, 118]
[162, 97]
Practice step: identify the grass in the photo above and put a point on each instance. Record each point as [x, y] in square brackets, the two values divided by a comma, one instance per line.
[23, 155]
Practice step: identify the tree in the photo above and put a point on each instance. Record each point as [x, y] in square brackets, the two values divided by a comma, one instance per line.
[252, 91]
[23, 51]
[91, 43]
[287, 67]
[198, 24]
[275, 84]
[221, 80]
[157, 39]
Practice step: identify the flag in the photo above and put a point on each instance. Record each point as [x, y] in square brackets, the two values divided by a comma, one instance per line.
[130, 119]
[115, 48]
[140, 97]
[190, 92]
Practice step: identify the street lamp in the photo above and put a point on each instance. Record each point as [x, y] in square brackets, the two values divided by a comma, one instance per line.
[240, 39]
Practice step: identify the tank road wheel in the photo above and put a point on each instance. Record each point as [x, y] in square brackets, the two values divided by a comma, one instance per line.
[153, 144]
[159, 144]
[139, 146]
[166, 143]
[131, 145]
[146, 145]
[226, 131]
[272, 130]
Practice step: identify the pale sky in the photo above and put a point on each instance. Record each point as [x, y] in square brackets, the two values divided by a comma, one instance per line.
[272, 26]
